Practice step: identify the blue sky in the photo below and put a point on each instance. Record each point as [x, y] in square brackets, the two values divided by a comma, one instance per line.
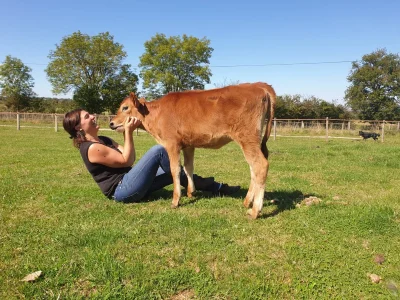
[279, 35]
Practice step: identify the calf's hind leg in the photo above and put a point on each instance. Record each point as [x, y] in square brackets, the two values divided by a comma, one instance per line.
[173, 154]
[259, 170]
[248, 201]
[188, 158]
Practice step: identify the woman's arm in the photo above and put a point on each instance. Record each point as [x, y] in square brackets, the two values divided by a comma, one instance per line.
[116, 145]
[107, 156]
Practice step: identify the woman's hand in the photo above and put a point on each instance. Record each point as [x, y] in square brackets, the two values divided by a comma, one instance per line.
[125, 157]
[131, 124]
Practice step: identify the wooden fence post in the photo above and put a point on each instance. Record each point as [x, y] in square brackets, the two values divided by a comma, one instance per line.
[55, 123]
[383, 130]
[274, 129]
[18, 122]
[327, 128]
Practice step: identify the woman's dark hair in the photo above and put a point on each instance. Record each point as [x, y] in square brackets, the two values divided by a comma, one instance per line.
[71, 120]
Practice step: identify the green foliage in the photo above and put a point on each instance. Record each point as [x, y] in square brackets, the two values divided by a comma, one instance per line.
[294, 107]
[51, 105]
[118, 87]
[92, 67]
[374, 92]
[16, 84]
[175, 64]
[88, 97]
[83, 60]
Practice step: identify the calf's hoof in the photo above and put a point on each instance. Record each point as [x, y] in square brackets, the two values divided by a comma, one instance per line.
[247, 203]
[252, 214]
[174, 205]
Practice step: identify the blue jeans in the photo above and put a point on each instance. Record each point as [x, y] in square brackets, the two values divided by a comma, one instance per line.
[152, 172]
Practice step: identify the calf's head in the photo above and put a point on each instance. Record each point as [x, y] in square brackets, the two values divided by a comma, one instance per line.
[130, 107]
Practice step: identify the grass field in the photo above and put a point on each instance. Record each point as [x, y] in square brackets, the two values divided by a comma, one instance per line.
[53, 218]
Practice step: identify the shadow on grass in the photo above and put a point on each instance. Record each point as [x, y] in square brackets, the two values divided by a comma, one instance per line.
[164, 194]
[283, 200]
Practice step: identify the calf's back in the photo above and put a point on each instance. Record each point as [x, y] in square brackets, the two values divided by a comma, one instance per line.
[212, 118]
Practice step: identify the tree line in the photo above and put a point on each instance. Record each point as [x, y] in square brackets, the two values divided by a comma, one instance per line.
[92, 68]
[287, 107]
[298, 107]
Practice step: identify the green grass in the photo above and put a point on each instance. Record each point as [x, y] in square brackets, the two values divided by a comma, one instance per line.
[53, 218]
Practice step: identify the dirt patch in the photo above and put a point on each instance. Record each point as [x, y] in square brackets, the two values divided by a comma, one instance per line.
[309, 201]
[184, 295]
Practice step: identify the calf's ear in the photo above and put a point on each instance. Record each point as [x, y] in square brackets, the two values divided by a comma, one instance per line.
[140, 104]
[142, 108]
[132, 95]
[135, 100]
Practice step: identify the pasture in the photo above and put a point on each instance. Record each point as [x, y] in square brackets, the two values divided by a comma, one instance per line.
[53, 218]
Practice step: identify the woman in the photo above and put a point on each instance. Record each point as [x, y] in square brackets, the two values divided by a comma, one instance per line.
[110, 164]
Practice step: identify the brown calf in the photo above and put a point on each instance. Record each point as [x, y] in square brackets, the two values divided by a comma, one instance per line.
[209, 119]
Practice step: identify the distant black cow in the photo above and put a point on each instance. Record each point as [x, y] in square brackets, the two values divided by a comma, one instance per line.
[367, 135]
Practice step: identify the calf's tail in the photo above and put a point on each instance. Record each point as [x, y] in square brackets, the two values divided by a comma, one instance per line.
[270, 112]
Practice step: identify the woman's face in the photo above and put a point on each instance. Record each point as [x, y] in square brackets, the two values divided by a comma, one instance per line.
[88, 123]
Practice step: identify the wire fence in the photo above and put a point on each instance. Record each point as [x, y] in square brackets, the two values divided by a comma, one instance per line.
[333, 128]
[42, 121]
[302, 128]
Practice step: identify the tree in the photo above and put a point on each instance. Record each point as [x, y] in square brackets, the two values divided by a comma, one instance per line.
[89, 66]
[16, 83]
[88, 97]
[114, 89]
[295, 107]
[374, 93]
[117, 87]
[51, 105]
[287, 107]
[175, 64]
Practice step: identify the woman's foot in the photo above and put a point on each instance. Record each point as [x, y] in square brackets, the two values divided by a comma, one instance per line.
[224, 189]
[209, 184]
[202, 183]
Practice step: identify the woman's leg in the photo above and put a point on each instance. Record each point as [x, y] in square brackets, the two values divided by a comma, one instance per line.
[152, 172]
[137, 182]
[163, 179]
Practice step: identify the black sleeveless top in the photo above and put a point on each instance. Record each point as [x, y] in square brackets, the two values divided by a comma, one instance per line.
[106, 177]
